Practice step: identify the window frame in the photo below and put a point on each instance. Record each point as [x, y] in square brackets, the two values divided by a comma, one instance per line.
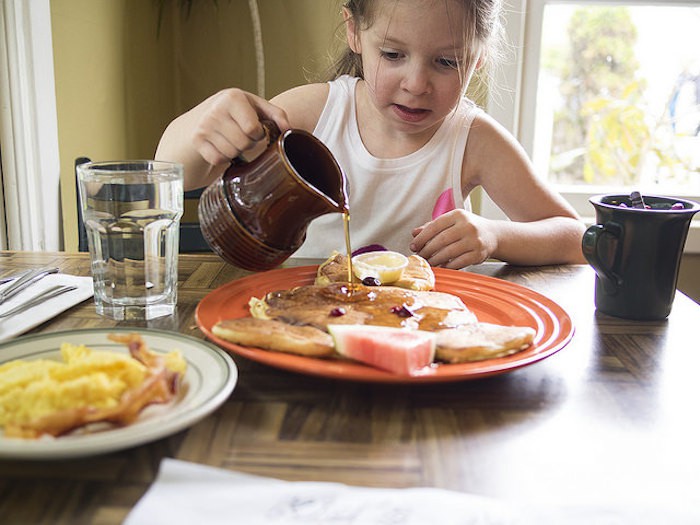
[516, 82]
[30, 172]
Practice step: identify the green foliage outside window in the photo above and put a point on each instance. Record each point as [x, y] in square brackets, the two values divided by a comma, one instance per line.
[605, 133]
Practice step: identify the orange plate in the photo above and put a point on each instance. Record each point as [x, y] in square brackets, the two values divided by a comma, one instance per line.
[492, 300]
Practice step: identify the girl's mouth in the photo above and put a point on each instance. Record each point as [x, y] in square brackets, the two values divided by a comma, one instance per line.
[410, 114]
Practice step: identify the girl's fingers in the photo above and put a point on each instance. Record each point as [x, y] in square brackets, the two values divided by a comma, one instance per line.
[451, 241]
[228, 125]
[265, 109]
[211, 154]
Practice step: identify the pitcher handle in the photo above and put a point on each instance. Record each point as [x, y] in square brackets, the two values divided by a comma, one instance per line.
[272, 133]
[589, 245]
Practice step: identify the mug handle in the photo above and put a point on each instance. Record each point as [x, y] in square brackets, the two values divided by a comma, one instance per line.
[272, 133]
[589, 244]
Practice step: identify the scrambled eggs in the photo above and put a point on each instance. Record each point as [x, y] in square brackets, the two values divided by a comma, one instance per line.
[30, 390]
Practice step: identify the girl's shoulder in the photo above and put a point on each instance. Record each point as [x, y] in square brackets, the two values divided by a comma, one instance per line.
[303, 104]
[486, 132]
[491, 153]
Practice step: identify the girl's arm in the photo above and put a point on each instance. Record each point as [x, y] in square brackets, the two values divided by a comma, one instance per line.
[227, 124]
[543, 228]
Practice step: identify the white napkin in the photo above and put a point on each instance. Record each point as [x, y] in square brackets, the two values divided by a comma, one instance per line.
[20, 323]
[186, 493]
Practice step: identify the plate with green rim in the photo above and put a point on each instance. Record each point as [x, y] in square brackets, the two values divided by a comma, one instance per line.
[209, 380]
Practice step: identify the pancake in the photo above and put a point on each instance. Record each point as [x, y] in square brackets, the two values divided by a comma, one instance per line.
[418, 275]
[480, 341]
[338, 303]
[276, 335]
[296, 321]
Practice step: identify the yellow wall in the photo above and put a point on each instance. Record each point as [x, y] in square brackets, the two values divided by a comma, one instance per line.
[120, 78]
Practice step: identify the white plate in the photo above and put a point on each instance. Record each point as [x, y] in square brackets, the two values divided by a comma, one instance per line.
[209, 380]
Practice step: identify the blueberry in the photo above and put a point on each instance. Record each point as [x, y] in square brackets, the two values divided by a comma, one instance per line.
[401, 311]
[369, 248]
[371, 281]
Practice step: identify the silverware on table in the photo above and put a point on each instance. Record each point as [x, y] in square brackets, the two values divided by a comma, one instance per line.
[23, 281]
[41, 297]
[13, 276]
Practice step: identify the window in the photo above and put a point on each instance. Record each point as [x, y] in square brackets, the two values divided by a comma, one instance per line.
[605, 96]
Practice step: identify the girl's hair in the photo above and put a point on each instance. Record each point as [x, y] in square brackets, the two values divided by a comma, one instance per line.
[483, 33]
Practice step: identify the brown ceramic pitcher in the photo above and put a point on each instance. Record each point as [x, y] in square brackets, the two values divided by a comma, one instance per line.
[255, 215]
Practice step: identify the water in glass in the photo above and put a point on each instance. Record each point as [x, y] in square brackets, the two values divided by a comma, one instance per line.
[132, 222]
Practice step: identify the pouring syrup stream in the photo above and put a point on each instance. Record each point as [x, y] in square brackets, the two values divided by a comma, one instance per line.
[346, 226]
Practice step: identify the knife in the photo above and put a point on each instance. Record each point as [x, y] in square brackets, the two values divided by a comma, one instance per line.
[39, 298]
[25, 280]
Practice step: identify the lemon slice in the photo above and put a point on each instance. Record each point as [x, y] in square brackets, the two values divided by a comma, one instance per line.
[386, 266]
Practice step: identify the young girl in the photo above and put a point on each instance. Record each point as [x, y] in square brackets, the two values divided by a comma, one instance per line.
[412, 146]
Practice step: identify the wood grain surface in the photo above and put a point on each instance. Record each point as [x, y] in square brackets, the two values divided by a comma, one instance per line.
[611, 416]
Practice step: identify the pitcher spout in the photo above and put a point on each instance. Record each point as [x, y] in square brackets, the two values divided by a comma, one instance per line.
[316, 168]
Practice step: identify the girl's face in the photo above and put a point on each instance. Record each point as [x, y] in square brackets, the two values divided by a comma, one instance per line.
[413, 61]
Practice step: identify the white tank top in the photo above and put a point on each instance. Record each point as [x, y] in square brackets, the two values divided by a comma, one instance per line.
[387, 197]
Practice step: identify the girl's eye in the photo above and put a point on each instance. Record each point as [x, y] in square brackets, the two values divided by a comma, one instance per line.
[449, 63]
[389, 55]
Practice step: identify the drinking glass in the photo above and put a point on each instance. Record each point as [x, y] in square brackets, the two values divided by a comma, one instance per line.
[131, 210]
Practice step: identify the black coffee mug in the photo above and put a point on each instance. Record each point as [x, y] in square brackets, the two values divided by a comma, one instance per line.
[636, 253]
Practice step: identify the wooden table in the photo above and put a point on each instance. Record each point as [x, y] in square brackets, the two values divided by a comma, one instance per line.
[611, 417]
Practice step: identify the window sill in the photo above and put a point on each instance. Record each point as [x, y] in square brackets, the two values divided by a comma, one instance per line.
[489, 210]
[692, 242]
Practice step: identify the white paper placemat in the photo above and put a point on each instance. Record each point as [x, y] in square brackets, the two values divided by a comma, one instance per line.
[186, 493]
[20, 323]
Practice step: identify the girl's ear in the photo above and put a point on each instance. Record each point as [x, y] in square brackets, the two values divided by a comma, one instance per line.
[351, 32]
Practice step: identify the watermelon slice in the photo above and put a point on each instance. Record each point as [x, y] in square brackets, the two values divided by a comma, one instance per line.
[397, 350]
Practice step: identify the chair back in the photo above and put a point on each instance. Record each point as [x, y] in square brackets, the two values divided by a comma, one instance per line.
[191, 238]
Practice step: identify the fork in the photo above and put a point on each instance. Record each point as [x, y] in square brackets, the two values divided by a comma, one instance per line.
[23, 281]
[41, 297]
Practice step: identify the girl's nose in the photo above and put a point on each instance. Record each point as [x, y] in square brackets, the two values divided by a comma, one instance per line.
[416, 80]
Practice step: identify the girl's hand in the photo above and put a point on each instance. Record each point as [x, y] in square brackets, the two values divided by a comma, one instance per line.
[228, 123]
[454, 240]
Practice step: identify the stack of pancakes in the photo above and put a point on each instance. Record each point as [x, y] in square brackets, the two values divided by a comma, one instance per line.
[296, 320]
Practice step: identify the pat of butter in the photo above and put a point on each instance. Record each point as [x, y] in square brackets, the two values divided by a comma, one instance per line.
[384, 265]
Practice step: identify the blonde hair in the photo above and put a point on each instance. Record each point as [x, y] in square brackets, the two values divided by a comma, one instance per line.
[483, 35]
